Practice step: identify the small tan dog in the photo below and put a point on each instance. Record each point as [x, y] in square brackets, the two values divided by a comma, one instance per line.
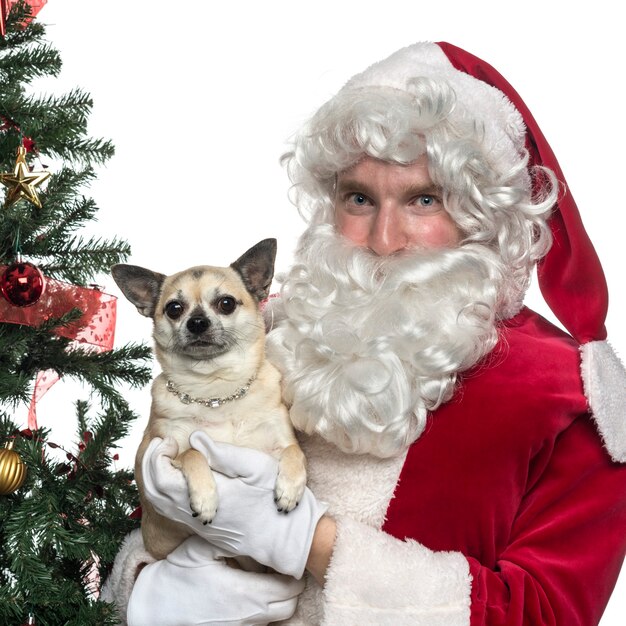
[210, 342]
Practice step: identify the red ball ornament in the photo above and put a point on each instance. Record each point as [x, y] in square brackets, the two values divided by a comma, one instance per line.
[22, 283]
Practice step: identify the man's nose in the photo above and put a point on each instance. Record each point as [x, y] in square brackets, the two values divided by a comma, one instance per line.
[387, 234]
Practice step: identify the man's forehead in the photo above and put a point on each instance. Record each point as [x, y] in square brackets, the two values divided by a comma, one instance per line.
[371, 172]
[366, 161]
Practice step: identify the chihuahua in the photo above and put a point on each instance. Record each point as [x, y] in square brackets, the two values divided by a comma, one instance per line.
[209, 339]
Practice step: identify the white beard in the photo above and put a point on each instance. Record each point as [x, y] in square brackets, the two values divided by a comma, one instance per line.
[368, 345]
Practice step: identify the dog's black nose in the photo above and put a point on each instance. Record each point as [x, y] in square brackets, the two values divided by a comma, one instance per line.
[198, 324]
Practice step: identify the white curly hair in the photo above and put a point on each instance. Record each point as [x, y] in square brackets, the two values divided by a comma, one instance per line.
[369, 345]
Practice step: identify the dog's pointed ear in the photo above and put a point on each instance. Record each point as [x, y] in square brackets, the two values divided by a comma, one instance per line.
[141, 286]
[256, 268]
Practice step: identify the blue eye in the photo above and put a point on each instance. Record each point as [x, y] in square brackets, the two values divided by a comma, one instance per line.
[359, 199]
[427, 200]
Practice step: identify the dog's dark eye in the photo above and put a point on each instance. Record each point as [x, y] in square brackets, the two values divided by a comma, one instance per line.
[226, 305]
[174, 309]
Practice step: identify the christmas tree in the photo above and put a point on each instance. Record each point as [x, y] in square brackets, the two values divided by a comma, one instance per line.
[64, 506]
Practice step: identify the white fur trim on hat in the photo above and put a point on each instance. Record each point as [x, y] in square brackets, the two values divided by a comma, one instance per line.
[503, 126]
[365, 586]
[119, 585]
[604, 378]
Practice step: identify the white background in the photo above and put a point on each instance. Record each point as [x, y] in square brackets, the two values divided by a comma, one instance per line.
[199, 98]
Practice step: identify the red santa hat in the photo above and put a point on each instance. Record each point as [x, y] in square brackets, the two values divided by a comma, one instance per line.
[570, 276]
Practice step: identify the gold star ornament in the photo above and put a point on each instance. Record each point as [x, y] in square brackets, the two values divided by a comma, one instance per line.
[22, 182]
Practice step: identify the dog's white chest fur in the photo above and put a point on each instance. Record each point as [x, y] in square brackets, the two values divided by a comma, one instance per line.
[247, 421]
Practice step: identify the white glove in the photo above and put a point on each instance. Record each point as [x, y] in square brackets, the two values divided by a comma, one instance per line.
[247, 522]
[194, 585]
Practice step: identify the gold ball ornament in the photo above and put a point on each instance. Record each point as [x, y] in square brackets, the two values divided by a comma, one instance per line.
[12, 470]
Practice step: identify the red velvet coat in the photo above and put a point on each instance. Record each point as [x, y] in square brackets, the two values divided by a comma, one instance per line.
[512, 474]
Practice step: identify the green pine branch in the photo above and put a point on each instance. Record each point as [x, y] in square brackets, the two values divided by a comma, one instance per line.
[71, 217]
[77, 260]
[74, 508]
[57, 123]
[69, 510]
[27, 63]
[103, 371]
[65, 185]
[81, 150]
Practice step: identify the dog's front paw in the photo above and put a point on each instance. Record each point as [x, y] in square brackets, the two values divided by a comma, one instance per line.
[203, 504]
[288, 491]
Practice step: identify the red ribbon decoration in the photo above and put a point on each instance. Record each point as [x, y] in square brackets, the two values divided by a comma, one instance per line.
[3, 16]
[27, 142]
[5, 8]
[5, 122]
[95, 327]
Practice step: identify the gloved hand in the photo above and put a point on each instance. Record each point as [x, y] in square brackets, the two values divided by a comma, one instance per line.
[194, 585]
[247, 522]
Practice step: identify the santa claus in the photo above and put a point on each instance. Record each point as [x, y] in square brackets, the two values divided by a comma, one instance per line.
[462, 468]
